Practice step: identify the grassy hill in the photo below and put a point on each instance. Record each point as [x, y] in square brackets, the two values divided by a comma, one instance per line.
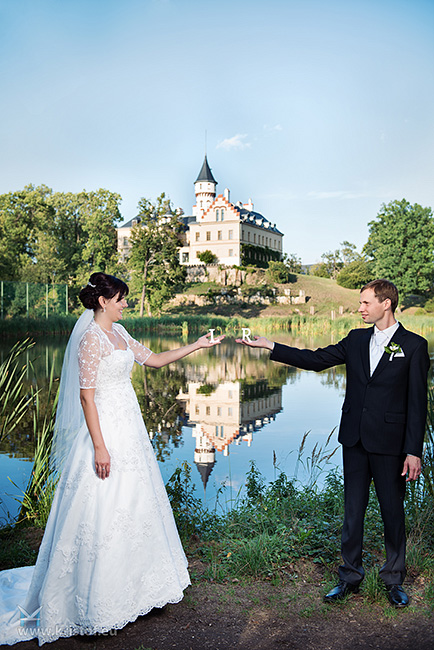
[321, 293]
[324, 294]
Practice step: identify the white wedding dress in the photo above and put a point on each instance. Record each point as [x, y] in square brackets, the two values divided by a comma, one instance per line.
[111, 551]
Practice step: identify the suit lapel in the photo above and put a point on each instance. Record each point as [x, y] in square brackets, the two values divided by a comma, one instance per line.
[398, 337]
[364, 350]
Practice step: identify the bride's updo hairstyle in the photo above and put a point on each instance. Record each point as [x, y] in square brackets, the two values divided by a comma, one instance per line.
[101, 284]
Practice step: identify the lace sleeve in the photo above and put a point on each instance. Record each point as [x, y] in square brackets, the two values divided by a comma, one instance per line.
[141, 353]
[89, 356]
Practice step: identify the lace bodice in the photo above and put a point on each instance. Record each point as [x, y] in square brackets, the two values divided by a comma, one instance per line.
[95, 346]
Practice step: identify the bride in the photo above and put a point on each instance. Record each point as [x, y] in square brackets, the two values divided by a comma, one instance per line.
[111, 551]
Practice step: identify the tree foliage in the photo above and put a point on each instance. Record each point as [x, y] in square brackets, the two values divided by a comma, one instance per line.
[355, 274]
[401, 246]
[56, 237]
[207, 257]
[334, 261]
[154, 257]
[279, 272]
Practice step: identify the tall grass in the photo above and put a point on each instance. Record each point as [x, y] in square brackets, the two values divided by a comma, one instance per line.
[39, 493]
[184, 324]
[20, 326]
[15, 404]
[13, 400]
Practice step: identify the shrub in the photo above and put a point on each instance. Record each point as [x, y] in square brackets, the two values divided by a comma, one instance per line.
[279, 272]
[207, 257]
[355, 274]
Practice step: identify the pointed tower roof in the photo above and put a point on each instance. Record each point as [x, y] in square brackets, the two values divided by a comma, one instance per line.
[205, 173]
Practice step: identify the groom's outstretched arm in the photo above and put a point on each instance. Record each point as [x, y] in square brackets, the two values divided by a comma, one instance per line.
[320, 359]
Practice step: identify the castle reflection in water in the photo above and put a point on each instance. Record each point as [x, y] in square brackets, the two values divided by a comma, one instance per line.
[226, 413]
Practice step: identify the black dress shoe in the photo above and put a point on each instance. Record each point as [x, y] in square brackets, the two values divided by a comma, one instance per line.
[397, 596]
[341, 590]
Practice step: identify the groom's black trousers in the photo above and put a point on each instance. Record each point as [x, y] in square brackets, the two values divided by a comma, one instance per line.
[360, 467]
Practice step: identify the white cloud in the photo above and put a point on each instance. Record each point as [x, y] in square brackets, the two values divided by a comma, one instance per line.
[237, 141]
[272, 129]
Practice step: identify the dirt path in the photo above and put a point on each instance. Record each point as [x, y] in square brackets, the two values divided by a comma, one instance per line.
[260, 616]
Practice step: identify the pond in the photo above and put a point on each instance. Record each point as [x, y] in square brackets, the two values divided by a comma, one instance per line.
[218, 410]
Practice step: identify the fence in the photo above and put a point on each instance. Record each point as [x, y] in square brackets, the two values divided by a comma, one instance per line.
[32, 299]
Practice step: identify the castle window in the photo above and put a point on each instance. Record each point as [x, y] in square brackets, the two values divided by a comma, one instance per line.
[231, 234]
[219, 410]
[125, 241]
[208, 235]
[266, 241]
[197, 236]
[248, 236]
[185, 257]
[216, 215]
[231, 252]
[197, 409]
[208, 410]
[219, 235]
[230, 410]
[222, 214]
[254, 238]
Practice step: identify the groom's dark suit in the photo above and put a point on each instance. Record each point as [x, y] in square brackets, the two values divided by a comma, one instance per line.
[383, 420]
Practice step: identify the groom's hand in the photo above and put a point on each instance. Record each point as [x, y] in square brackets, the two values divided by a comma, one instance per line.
[412, 467]
[259, 342]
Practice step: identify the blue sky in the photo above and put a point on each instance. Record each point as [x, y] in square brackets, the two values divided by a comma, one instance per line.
[318, 111]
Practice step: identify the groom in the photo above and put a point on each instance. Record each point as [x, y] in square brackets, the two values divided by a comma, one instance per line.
[382, 427]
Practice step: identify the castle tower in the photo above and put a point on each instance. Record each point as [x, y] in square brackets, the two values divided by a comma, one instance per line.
[205, 190]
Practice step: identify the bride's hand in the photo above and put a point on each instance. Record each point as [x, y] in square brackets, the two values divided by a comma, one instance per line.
[102, 463]
[205, 342]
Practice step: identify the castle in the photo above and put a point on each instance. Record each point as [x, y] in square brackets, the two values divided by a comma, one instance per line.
[234, 233]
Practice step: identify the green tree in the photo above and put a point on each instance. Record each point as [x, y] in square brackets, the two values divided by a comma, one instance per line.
[401, 245]
[22, 215]
[99, 214]
[355, 274]
[320, 270]
[154, 258]
[333, 262]
[348, 252]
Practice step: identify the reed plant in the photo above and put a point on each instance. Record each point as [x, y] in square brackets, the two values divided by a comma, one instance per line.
[14, 402]
[38, 494]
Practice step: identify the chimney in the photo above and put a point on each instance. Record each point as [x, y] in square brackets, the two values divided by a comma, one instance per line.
[227, 195]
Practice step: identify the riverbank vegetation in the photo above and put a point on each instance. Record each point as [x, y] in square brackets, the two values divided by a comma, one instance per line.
[183, 324]
[268, 532]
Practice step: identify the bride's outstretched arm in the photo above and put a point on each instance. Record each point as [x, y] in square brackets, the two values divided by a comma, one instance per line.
[102, 457]
[158, 360]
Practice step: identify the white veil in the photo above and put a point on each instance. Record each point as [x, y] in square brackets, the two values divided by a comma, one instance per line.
[69, 415]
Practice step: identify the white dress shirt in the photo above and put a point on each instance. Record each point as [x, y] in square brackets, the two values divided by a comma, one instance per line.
[379, 340]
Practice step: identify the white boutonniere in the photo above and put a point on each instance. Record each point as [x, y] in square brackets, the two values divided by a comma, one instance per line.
[395, 350]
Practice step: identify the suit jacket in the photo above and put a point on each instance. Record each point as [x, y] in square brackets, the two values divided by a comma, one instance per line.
[387, 411]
